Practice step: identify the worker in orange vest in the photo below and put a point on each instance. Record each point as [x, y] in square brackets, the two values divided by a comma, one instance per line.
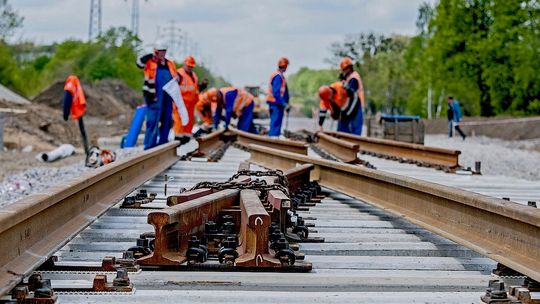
[75, 103]
[334, 99]
[351, 117]
[205, 108]
[278, 97]
[237, 103]
[158, 71]
[189, 87]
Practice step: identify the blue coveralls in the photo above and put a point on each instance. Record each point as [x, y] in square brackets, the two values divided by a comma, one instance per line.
[277, 107]
[352, 124]
[245, 121]
[159, 113]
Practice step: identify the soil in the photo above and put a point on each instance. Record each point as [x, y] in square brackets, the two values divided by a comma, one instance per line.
[110, 107]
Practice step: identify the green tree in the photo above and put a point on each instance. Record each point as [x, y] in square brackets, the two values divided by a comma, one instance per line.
[9, 20]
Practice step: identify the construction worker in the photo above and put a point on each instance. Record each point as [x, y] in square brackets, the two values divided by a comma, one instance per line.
[334, 99]
[351, 117]
[205, 108]
[189, 87]
[278, 97]
[237, 103]
[158, 71]
[75, 103]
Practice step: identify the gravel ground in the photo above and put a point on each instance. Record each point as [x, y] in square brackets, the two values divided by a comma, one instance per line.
[16, 186]
[519, 159]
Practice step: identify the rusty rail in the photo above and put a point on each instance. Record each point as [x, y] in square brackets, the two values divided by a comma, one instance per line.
[209, 143]
[413, 152]
[245, 138]
[173, 226]
[505, 231]
[343, 150]
[32, 229]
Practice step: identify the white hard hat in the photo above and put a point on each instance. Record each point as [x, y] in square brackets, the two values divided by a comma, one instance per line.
[160, 45]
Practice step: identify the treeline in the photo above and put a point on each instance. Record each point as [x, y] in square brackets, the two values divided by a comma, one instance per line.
[28, 68]
[483, 52]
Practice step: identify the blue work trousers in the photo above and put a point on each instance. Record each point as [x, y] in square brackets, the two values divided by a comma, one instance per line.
[276, 119]
[352, 124]
[158, 123]
[245, 121]
[159, 113]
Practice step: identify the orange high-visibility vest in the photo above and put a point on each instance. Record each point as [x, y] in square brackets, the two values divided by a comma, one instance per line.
[189, 87]
[150, 68]
[242, 100]
[339, 99]
[206, 107]
[78, 105]
[360, 91]
[270, 97]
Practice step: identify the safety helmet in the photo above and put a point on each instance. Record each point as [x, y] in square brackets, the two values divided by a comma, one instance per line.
[160, 45]
[325, 93]
[190, 61]
[345, 62]
[283, 62]
[212, 94]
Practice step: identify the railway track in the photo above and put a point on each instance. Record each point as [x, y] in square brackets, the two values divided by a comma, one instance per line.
[372, 252]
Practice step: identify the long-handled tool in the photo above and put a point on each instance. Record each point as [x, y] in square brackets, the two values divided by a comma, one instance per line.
[83, 135]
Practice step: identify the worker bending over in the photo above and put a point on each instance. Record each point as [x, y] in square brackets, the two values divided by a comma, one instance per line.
[278, 97]
[205, 108]
[351, 114]
[189, 87]
[236, 103]
[334, 98]
[158, 70]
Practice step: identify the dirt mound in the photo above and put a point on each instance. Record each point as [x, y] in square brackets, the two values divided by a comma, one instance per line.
[108, 98]
[110, 105]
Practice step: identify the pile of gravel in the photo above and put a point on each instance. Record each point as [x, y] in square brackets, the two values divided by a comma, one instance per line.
[37, 179]
[519, 159]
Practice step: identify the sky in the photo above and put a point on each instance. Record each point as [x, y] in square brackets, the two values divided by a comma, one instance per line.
[239, 39]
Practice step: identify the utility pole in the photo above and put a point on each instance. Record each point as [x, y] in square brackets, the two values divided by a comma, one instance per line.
[94, 27]
[135, 17]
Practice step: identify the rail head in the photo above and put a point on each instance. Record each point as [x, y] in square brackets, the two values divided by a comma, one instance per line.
[37, 226]
[245, 138]
[504, 231]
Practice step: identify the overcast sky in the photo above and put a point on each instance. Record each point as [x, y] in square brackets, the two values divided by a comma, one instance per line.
[240, 39]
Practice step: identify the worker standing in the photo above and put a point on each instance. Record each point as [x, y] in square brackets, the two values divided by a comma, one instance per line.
[189, 87]
[278, 97]
[236, 103]
[158, 71]
[351, 117]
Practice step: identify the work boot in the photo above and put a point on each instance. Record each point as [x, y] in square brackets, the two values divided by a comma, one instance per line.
[183, 139]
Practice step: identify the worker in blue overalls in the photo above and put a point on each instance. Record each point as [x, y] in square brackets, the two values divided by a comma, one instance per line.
[237, 103]
[351, 119]
[158, 70]
[278, 97]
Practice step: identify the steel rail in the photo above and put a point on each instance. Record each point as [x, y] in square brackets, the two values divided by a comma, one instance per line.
[209, 143]
[343, 150]
[420, 153]
[504, 231]
[35, 227]
[245, 139]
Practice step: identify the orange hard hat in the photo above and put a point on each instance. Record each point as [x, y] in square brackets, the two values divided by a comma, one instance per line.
[325, 93]
[345, 62]
[212, 94]
[190, 61]
[283, 62]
